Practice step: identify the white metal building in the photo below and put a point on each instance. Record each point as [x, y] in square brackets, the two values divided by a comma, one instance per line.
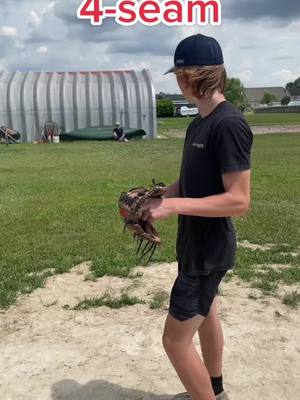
[76, 100]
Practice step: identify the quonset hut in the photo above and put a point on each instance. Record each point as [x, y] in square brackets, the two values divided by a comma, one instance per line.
[76, 100]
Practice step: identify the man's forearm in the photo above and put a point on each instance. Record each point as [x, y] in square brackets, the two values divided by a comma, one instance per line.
[172, 190]
[221, 205]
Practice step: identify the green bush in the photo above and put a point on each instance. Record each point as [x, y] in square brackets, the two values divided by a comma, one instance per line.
[268, 98]
[236, 93]
[285, 100]
[165, 108]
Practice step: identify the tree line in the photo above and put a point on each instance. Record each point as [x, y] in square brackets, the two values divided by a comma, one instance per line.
[234, 92]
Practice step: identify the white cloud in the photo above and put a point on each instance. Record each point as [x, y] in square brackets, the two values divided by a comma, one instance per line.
[35, 18]
[257, 51]
[8, 31]
[136, 65]
[245, 76]
[19, 45]
[42, 49]
[286, 75]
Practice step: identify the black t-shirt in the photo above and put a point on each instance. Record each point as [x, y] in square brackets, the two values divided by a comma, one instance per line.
[218, 143]
[119, 132]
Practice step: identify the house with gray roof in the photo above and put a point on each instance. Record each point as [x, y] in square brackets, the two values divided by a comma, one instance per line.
[295, 94]
[254, 95]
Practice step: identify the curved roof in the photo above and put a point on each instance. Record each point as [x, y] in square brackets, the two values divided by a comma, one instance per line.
[76, 100]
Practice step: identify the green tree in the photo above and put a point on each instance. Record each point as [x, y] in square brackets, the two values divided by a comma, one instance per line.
[161, 95]
[294, 85]
[235, 93]
[164, 108]
[268, 98]
[285, 100]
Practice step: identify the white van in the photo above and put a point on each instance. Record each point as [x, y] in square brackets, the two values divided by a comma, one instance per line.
[186, 111]
[294, 103]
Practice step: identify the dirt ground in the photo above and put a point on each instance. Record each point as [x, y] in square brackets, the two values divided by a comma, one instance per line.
[275, 129]
[50, 352]
[257, 130]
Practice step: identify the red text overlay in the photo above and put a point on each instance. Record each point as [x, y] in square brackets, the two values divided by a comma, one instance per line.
[153, 12]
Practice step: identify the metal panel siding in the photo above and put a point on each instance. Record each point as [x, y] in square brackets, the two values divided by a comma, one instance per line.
[119, 99]
[107, 101]
[29, 109]
[138, 110]
[14, 95]
[76, 100]
[49, 106]
[81, 101]
[41, 101]
[125, 120]
[55, 98]
[144, 101]
[62, 103]
[36, 107]
[100, 100]
[9, 98]
[151, 105]
[132, 100]
[113, 97]
[3, 98]
[22, 107]
[94, 100]
[68, 103]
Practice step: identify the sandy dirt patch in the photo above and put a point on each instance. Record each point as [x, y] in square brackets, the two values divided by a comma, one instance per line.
[49, 352]
[268, 246]
[257, 130]
[252, 246]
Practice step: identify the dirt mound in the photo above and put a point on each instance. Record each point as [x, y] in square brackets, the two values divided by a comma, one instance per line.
[50, 351]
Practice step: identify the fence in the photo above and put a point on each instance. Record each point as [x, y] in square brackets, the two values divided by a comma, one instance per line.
[283, 109]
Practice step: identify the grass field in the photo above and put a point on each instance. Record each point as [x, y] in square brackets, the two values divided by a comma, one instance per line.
[252, 119]
[273, 119]
[59, 207]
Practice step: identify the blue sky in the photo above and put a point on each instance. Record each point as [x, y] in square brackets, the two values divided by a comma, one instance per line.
[260, 40]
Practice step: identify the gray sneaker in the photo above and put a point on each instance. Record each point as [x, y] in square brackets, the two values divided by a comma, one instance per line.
[186, 396]
[222, 396]
[182, 396]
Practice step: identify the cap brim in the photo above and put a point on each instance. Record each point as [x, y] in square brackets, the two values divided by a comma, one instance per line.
[170, 70]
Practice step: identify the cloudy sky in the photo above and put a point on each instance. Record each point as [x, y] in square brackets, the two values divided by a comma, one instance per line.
[260, 39]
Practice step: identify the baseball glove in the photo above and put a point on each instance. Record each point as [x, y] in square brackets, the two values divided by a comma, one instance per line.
[130, 204]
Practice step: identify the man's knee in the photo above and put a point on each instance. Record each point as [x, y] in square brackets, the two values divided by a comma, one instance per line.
[174, 344]
[167, 341]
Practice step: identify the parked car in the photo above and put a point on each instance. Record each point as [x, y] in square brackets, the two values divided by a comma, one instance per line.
[294, 103]
[186, 111]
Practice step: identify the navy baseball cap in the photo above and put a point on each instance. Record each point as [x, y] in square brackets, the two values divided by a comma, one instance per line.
[196, 51]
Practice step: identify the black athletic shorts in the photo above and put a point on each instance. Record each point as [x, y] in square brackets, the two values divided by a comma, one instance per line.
[193, 295]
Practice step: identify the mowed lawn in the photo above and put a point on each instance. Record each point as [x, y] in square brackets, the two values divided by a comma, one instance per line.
[252, 119]
[59, 207]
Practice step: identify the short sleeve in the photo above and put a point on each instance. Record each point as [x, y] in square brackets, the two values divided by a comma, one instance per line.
[233, 144]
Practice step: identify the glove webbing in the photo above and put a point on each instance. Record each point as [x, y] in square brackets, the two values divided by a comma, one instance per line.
[143, 196]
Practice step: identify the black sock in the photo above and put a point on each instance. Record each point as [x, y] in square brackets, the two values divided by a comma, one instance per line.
[217, 384]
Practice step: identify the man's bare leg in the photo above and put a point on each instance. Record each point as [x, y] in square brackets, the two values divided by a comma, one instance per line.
[212, 341]
[178, 343]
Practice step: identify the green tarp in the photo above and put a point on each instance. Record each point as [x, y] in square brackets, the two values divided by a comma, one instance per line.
[100, 133]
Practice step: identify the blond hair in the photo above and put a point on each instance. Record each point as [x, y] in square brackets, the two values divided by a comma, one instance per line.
[204, 81]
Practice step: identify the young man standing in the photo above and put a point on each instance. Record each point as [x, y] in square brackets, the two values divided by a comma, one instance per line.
[214, 185]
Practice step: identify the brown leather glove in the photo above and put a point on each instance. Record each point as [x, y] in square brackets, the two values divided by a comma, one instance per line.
[130, 204]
